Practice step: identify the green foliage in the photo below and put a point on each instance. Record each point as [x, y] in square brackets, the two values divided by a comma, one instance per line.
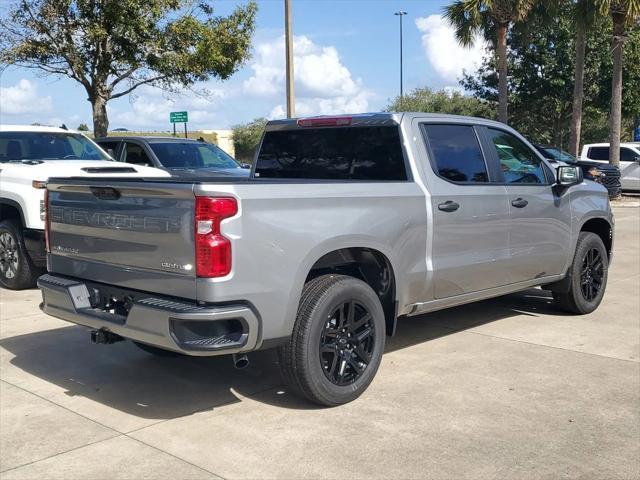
[541, 67]
[246, 138]
[83, 127]
[112, 47]
[442, 101]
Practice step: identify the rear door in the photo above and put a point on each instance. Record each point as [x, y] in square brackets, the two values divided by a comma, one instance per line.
[470, 213]
[138, 235]
[540, 225]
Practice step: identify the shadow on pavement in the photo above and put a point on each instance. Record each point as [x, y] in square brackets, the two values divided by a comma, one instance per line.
[122, 377]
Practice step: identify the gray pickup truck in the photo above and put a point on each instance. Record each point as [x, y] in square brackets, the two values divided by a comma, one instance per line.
[345, 224]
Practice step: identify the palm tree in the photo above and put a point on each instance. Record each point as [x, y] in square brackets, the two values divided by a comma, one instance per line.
[623, 13]
[492, 19]
[584, 15]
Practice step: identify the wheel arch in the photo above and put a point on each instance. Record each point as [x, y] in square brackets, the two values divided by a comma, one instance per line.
[10, 209]
[603, 229]
[369, 265]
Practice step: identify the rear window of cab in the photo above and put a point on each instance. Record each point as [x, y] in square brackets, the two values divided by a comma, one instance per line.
[372, 153]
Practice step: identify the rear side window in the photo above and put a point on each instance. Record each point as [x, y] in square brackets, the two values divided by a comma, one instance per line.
[353, 153]
[456, 153]
[599, 153]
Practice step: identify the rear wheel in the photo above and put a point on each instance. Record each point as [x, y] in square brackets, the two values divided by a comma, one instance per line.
[337, 341]
[17, 271]
[589, 272]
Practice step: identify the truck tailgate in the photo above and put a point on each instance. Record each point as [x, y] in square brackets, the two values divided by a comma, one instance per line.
[136, 234]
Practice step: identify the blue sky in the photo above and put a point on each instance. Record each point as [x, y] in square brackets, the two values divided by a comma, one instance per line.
[346, 60]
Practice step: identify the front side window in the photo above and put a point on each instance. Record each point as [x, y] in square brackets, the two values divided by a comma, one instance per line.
[518, 163]
[18, 146]
[350, 153]
[456, 153]
[628, 155]
[135, 153]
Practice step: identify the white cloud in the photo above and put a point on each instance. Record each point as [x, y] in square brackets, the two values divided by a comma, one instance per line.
[150, 107]
[323, 84]
[22, 98]
[443, 51]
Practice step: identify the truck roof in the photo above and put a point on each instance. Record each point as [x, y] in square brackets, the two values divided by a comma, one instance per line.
[376, 118]
[149, 139]
[34, 128]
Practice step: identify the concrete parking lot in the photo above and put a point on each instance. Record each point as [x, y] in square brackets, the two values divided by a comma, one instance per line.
[505, 388]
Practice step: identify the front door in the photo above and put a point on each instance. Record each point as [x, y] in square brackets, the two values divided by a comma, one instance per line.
[540, 226]
[470, 249]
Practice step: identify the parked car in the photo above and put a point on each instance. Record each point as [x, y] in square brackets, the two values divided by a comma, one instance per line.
[346, 224]
[179, 156]
[629, 161]
[604, 173]
[28, 156]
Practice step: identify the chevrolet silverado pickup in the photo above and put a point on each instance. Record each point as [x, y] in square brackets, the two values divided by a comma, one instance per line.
[345, 225]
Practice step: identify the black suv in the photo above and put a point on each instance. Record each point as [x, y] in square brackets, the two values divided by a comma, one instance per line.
[180, 156]
[607, 175]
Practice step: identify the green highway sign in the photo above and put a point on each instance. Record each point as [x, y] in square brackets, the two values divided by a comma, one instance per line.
[178, 117]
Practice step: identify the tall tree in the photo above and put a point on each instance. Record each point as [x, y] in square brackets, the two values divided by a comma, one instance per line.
[541, 67]
[491, 19]
[112, 47]
[584, 12]
[624, 14]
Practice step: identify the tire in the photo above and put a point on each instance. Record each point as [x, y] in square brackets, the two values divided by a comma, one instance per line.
[17, 271]
[589, 271]
[323, 362]
[158, 352]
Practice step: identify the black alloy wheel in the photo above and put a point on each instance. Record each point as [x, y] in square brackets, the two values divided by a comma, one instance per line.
[591, 277]
[347, 342]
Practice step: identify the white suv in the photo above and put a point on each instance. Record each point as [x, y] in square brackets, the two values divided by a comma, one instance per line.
[29, 155]
[629, 161]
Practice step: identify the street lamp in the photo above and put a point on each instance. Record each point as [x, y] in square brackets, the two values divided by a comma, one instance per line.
[400, 14]
[291, 102]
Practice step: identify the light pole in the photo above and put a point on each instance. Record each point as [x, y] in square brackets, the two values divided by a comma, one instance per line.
[291, 103]
[400, 14]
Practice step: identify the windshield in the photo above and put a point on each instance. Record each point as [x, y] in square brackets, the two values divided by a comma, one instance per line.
[192, 155]
[558, 155]
[18, 146]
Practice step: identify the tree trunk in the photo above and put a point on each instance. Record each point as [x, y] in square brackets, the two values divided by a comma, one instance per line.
[100, 119]
[616, 88]
[578, 91]
[502, 72]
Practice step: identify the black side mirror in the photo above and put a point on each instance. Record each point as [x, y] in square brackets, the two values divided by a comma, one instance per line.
[569, 175]
[246, 165]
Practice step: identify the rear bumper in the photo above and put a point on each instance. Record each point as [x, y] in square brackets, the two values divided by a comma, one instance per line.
[164, 322]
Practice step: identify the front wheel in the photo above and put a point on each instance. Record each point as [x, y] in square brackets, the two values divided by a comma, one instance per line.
[589, 272]
[337, 341]
[17, 271]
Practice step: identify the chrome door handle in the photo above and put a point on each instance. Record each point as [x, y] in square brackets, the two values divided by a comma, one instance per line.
[448, 206]
[519, 203]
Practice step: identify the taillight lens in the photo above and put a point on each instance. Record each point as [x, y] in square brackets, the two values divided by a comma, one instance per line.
[46, 221]
[213, 250]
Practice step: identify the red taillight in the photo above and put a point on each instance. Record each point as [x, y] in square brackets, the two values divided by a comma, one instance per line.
[324, 121]
[47, 234]
[213, 250]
